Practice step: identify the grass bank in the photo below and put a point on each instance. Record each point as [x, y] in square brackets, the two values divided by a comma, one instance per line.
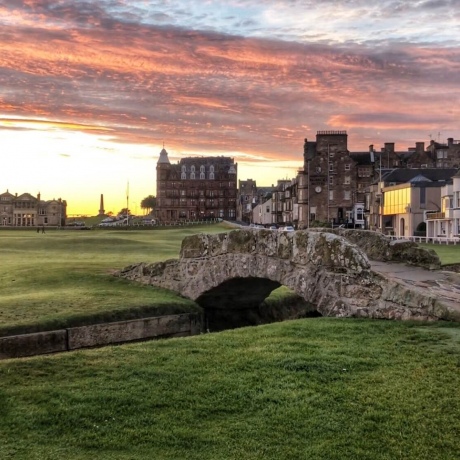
[307, 389]
[448, 253]
[63, 278]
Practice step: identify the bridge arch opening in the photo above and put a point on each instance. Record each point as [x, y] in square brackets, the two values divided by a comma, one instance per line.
[240, 302]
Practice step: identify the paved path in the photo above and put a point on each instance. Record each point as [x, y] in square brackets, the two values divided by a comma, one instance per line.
[442, 284]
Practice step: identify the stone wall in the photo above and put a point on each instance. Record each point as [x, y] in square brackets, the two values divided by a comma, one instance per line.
[378, 247]
[100, 334]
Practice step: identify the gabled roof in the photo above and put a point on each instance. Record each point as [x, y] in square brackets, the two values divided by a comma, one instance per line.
[7, 194]
[420, 178]
[26, 196]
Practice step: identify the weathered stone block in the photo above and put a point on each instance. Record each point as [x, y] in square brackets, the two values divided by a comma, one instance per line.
[38, 343]
[127, 331]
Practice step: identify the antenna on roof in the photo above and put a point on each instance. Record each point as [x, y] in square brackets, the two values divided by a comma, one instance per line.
[439, 137]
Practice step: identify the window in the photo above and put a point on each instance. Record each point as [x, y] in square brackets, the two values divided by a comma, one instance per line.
[201, 169]
[331, 181]
[211, 168]
[182, 192]
[422, 197]
[318, 169]
[192, 168]
[211, 176]
[331, 167]
[346, 195]
[192, 175]
[202, 175]
[184, 169]
[347, 167]
[183, 176]
[331, 195]
[347, 180]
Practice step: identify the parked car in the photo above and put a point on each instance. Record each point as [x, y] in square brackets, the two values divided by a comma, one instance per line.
[273, 227]
[288, 228]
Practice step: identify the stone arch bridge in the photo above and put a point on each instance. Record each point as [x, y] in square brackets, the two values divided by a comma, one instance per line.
[238, 269]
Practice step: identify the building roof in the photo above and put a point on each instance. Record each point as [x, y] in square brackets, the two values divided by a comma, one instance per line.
[361, 158]
[207, 161]
[420, 178]
[163, 157]
[401, 176]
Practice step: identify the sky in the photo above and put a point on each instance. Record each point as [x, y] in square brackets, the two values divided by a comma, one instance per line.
[90, 91]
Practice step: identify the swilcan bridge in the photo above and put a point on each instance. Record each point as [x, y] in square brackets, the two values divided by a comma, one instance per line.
[333, 272]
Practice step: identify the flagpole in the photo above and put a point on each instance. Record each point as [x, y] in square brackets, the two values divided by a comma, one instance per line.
[127, 199]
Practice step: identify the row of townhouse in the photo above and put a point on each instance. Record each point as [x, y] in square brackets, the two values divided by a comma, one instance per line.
[339, 187]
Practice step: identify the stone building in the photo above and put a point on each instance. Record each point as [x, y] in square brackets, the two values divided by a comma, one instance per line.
[195, 188]
[333, 180]
[27, 210]
[249, 196]
[445, 155]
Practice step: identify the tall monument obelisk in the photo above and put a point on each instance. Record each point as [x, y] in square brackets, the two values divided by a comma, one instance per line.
[101, 206]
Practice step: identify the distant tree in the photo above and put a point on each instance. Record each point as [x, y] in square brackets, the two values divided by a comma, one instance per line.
[149, 203]
[124, 212]
[110, 213]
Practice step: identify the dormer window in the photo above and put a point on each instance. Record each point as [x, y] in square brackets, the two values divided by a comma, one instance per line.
[184, 169]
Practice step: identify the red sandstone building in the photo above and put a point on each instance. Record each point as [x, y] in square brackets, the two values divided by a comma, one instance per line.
[196, 188]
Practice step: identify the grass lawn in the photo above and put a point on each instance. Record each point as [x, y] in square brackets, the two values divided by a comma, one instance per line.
[326, 388]
[63, 277]
[448, 253]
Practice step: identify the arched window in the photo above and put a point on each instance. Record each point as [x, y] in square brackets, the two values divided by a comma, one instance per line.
[192, 168]
[183, 176]
[202, 175]
[211, 175]
[202, 168]
[192, 174]
[211, 168]
[184, 168]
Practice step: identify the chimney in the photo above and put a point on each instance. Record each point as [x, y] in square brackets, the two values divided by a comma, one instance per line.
[450, 142]
[38, 196]
[389, 147]
[420, 147]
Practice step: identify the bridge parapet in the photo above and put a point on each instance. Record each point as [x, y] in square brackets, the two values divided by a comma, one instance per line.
[301, 247]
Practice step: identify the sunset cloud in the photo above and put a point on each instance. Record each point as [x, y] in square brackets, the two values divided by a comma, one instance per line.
[249, 79]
